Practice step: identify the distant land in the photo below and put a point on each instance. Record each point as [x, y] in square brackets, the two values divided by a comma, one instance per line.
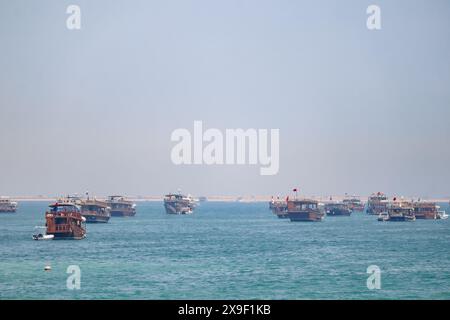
[222, 198]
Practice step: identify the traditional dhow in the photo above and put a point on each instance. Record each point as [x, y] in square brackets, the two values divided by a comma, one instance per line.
[95, 211]
[354, 203]
[278, 208]
[428, 210]
[377, 203]
[398, 211]
[7, 206]
[64, 221]
[304, 210]
[176, 203]
[337, 209]
[121, 207]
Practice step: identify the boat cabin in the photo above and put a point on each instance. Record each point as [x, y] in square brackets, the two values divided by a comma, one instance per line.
[302, 205]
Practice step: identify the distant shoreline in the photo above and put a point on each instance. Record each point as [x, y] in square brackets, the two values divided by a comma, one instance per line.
[241, 199]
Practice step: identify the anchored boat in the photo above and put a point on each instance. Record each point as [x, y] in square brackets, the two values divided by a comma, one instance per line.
[41, 234]
[121, 207]
[377, 203]
[337, 209]
[176, 203]
[278, 208]
[383, 216]
[354, 203]
[64, 221]
[443, 215]
[7, 206]
[95, 211]
[398, 211]
[428, 210]
[304, 210]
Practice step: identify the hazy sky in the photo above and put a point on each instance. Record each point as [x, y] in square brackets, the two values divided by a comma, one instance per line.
[358, 110]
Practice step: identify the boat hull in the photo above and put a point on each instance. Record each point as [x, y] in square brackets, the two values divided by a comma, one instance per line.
[8, 211]
[179, 213]
[427, 216]
[74, 234]
[178, 207]
[175, 210]
[305, 216]
[339, 212]
[401, 219]
[68, 237]
[42, 237]
[376, 211]
[96, 219]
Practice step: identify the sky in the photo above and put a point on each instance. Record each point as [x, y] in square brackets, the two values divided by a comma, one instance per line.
[358, 110]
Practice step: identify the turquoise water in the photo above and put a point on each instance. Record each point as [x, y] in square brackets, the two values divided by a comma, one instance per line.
[226, 251]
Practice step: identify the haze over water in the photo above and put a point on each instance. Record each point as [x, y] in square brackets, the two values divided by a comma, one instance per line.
[359, 111]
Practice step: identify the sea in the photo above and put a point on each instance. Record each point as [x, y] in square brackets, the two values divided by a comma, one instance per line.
[226, 250]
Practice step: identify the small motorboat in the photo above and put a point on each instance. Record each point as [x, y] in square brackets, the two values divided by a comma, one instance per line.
[41, 234]
[442, 215]
[383, 216]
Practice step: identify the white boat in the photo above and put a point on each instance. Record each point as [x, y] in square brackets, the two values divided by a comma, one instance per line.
[41, 235]
[442, 215]
[176, 203]
[383, 216]
[6, 205]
